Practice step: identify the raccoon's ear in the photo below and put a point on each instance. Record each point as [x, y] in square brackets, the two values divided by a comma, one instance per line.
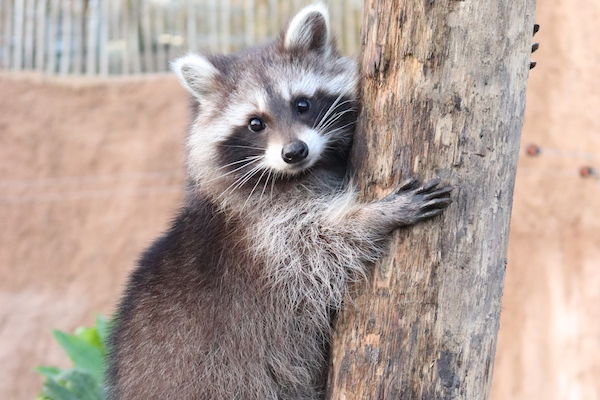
[309, 30]
[197, 74]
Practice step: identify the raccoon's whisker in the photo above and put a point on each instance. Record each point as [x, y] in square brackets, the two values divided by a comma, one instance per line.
[239, 161]
[241, 181]
[333, 118]
[335, 106]
[275, 176]
[328, 133]
[244, 147]
[234, 185]
[265, 187]
[318, 119]
[336, 117]
[252, 161]
[331, 107]
[240, 178]
[254, 188]
[255, 171]
[325, 122]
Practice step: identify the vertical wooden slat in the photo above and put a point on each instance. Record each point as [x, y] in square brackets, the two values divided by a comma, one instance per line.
[66, 42]
[40, 40]
[148, 38]
[126, 53]
[179, 31]
[337, 23]
[349, 27]
[84, 8]
[249, 22]
[297, 4]
[77, 37]
[224, 18]
[28, 45]
[3, 7]
[274, 17]
[192, 28]
[18, 35]
[170, 33]
[104, 35]
[91, 55]
[8, 34]
[287, 11]
[356, 24]
[166, 33]
[201, 25]
[114, 45]
[262, 14]
[161, 50]
[52, 42]
[120, 38]
[214, 25]
[134, 37]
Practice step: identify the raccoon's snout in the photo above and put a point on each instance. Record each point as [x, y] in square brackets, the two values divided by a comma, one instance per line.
[294, 152]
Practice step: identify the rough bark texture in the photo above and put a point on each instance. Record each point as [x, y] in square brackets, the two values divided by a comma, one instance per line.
[443, 95]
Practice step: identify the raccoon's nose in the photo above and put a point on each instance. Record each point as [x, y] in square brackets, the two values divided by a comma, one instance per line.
[294, 152]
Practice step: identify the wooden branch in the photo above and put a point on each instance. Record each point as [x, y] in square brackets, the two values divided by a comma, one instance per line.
[443, 95]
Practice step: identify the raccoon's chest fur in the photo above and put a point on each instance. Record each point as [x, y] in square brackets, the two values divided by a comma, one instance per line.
[306, 259]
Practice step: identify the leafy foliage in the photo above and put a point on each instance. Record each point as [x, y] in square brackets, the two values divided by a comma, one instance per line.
[84, 381]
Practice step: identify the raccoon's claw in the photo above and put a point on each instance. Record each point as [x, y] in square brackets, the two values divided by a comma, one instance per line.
[535, 46]
[440, 203]
[445, 191]
[407, 184]
[430, 214]
[428, 186]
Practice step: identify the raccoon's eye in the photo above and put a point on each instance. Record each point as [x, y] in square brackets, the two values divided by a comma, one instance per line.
[302, 105]
[256, 124]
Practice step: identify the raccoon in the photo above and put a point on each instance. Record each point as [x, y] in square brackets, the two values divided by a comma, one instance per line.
[235, 300]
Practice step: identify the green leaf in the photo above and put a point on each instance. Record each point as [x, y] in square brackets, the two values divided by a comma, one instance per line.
[83, 384]
[86, 348]
[53, 390]
[90, 336]
[84, 355]
[103, 327]
[73, 384]
[48, 372]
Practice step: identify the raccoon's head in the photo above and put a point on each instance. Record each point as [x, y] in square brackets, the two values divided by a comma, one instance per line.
[271, 113]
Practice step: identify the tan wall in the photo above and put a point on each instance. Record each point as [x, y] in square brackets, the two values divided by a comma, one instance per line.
[67, 244]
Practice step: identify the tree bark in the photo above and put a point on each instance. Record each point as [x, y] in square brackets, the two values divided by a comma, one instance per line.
[443, 92]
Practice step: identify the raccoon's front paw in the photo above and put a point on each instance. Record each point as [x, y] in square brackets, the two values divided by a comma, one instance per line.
[413, 202]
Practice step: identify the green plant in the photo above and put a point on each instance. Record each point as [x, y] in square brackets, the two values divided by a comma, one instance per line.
[85, 380]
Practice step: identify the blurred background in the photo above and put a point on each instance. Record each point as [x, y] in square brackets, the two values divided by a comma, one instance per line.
[91, 168]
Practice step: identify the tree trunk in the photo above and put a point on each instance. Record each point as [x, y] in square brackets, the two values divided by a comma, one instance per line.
[443, 91]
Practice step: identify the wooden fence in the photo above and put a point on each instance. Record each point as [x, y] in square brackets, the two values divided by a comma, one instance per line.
[121, 37]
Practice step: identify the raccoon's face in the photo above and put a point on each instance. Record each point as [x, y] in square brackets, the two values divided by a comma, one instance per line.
[273, 112]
